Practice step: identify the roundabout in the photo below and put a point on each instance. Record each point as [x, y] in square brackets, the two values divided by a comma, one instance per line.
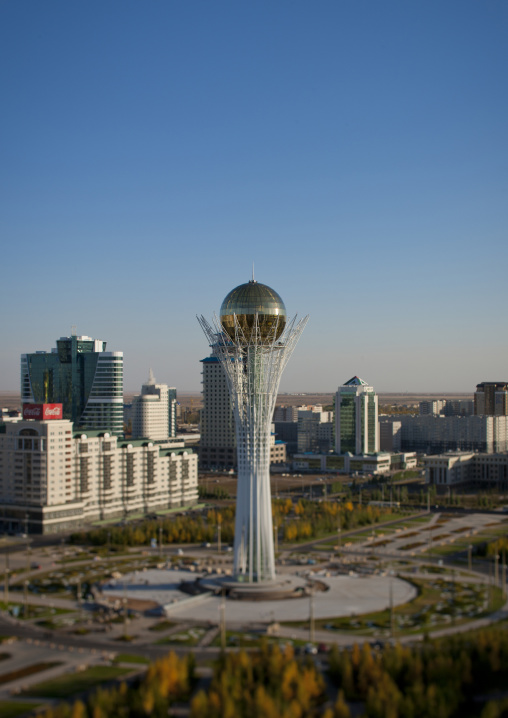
[331, 595]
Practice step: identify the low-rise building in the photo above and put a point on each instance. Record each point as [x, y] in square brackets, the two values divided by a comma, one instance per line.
[467, 470]
[378, 463]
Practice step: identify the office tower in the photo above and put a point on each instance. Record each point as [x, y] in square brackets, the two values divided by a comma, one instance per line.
[253, 343]
[356, 418]
[491, 398]
[154, 411]
[82, 376]
[217, 446]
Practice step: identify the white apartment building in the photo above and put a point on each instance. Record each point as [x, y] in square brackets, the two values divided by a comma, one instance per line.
[154, 411]
[315, 430]
[433, 407]
[218, 442]
[58, 479]
[434, 434]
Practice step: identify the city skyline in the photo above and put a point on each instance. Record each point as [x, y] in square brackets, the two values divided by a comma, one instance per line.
[355, 153]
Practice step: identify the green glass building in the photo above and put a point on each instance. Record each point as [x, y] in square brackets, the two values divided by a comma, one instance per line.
[80, 374]
[356, 418]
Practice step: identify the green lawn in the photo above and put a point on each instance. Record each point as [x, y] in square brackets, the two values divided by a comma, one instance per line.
[439, 603]
[162, 626]
[191, 637]
[69, 684]
[131, 658]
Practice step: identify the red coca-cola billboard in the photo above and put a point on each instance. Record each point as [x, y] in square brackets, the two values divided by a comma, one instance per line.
[42, 412]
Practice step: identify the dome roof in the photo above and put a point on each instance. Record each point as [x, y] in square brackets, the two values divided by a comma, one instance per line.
[251, 299]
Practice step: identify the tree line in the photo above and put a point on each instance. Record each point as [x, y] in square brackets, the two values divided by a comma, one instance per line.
[446, 678]
[438, 679]
[298, 520]
[170, 679]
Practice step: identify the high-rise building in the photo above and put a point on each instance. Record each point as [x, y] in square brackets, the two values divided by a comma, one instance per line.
[154, 411]
[491, 398]
[217, 446]
[356, 418]
[253, 343]
[81, 375]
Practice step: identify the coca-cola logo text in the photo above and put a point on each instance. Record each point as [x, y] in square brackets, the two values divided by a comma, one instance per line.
[42, 411]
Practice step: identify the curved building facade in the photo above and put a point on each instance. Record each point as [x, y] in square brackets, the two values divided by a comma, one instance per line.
[81, 375]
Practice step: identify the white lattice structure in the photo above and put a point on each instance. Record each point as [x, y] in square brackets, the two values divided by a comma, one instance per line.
[253, 358]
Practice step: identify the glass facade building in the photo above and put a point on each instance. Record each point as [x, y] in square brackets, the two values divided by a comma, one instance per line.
[356, 418]
[82, 376]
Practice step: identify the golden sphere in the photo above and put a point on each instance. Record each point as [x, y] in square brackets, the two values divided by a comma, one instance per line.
[251, 299]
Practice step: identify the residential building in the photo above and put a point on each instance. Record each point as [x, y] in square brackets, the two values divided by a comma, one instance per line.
[217, 448]
[315, 431]
[356, 418]
[437, 434]
[285, 413]
[154, 411]
[390, 435]
[434, 407]
[491, 398]
[58, 478]
[82, 376]
[458, 407]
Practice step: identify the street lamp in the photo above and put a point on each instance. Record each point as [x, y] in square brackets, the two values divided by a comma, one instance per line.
[27, 543]
[26, 598]
[391, 603]
[311, 617]
[6, 580]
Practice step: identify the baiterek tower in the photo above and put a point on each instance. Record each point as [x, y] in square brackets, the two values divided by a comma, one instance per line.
[253, 341]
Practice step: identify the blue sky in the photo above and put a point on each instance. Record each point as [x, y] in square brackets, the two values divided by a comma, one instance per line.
[357, 152]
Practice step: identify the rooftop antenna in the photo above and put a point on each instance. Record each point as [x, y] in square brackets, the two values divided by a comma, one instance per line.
[253, 272]
[73, 330]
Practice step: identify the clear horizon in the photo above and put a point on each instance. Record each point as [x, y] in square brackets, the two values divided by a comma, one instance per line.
[355, 152]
